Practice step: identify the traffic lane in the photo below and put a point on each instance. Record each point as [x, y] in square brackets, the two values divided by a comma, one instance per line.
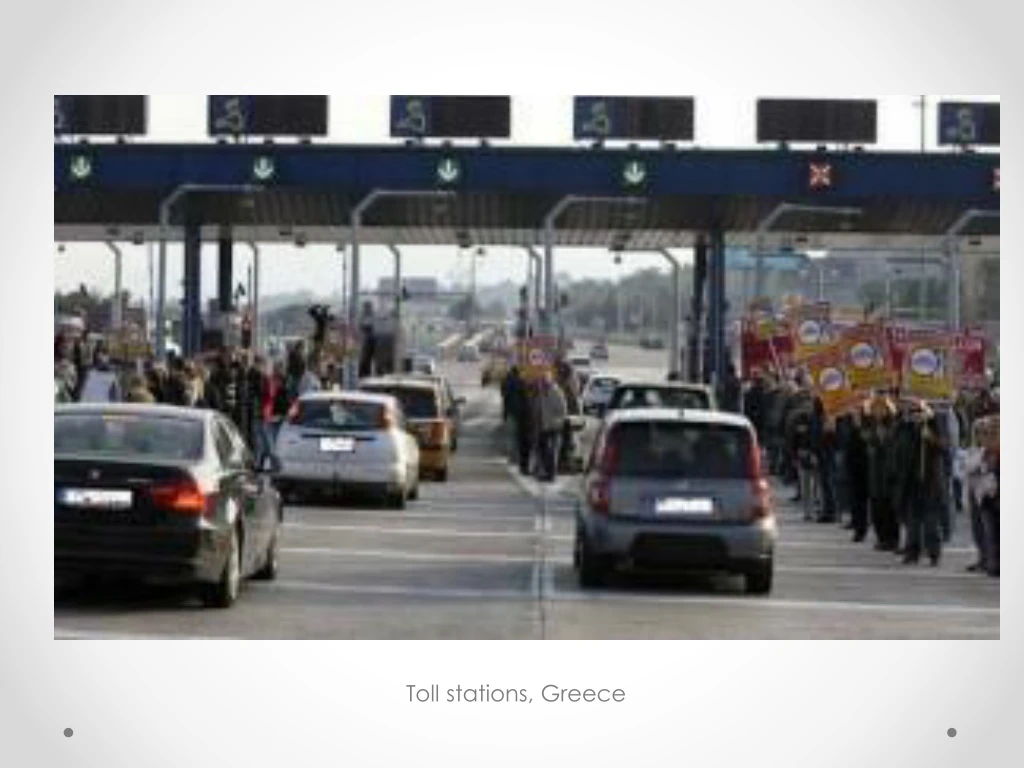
[712, 617]
[299, 609]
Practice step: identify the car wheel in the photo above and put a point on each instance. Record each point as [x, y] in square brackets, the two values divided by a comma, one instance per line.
[414, 491]
[759, 579]
[455, 444]
[224, 593]
[592, 571]
[270, 566]
[441, 475]
[397, 500]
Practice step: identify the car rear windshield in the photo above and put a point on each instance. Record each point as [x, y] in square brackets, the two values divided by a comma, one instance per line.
[659, 397]
[339, 414]
[677, 449]
[128, 436]
[604, 384]
[417, 402]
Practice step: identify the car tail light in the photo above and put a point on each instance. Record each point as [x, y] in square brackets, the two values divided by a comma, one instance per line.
[387, 418]
[599, 495]
[762, 508]
[180, 496]
[293, 413]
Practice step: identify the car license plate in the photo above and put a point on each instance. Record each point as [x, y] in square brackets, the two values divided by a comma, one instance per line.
[677, 506]
[337, 444]
[95, 498]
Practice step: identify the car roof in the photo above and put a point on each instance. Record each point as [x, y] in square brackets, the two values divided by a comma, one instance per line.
[689, 385]
[156, 410]
[404, 382]
[681, 415]
[346, 394]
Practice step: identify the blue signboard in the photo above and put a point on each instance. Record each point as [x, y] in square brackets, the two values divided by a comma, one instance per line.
[410, 116]
[229, 115]
[969, 123]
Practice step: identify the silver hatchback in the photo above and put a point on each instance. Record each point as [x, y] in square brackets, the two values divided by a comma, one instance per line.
[337, 442]
[675, 490]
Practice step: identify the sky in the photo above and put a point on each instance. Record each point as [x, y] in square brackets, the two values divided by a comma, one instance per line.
[722, 120]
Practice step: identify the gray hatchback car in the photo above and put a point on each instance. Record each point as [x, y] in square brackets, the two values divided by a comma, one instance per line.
[675, 490]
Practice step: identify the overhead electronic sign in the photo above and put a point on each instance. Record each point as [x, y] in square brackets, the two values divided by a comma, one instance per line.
[99, 115]
[835, 121]
[469, 117]
[267, 116]
[967, 123]
[633, 117]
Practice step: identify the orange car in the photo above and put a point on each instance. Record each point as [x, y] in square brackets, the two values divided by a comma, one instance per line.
[423, 403]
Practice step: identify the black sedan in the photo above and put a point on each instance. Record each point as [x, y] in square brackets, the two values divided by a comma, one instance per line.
[160, 495]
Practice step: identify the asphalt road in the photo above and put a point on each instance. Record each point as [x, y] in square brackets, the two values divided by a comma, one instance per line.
[488, 555]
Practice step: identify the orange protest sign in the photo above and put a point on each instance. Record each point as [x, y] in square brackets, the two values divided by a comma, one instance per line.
[927, 372]
[830, 381]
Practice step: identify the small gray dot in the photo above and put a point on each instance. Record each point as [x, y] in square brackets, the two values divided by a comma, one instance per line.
[68, 732]
[951, 732]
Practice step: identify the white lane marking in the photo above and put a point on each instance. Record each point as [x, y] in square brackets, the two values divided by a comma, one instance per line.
[343, 516]
[426, 509]
[560, 595]
[396, 531]
[399, 591]
[397, 554]
[920, 571]
[88, 634]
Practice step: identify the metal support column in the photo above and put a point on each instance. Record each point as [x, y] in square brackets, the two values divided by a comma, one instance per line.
[675, 361]
[695, 367]
[537, 260]
[192, 314]
[397, 343]
[116, 307]
[356, 220]
[225, 273]
[717, 307]
[254, 297]
[166, 206]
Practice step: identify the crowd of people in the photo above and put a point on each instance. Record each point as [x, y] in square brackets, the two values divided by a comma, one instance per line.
[899, 467]
[253, 392]
[539, 412]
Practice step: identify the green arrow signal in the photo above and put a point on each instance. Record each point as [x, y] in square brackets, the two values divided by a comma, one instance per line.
[448, 171]
[81, 167]
[263, 168]
[634, 173]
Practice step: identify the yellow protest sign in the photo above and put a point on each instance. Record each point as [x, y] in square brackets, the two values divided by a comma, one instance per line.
[537, 356]
[830, 381]
[866, 358]
[927, 372]
[811, 332]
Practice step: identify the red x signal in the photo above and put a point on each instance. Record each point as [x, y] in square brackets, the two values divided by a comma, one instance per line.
[820, 176]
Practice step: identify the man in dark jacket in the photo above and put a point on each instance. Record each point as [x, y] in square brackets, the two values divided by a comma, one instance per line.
[855, 456]
[754, 405]
[823, 445]
[925, 484]
[520, 412]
